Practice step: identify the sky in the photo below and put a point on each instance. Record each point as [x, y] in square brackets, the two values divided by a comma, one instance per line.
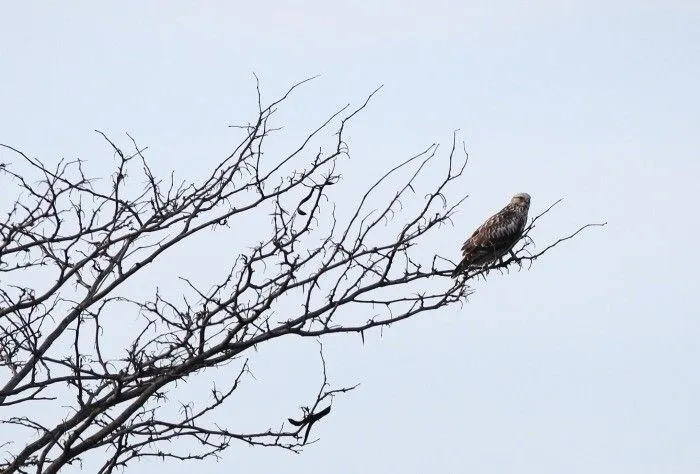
[588, 362]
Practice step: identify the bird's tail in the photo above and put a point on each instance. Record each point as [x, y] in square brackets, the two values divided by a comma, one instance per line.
[460, 268]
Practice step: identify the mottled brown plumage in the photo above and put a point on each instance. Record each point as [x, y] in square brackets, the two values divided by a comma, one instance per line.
[495, 237]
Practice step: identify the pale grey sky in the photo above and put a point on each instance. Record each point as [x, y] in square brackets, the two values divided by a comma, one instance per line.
[586, 363]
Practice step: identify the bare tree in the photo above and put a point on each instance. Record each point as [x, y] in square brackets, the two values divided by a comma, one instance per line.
[69, 244]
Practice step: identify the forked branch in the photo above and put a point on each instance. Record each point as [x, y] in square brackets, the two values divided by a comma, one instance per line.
[70, 243]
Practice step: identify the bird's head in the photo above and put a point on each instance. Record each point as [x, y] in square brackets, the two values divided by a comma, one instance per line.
[521, 199]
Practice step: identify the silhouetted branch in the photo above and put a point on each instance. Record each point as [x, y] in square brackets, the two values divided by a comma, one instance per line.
[69, 244]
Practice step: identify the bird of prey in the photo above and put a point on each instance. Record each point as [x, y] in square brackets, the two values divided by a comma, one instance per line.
[495, 237]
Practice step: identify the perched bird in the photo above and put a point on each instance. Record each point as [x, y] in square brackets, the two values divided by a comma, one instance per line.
[495, 237]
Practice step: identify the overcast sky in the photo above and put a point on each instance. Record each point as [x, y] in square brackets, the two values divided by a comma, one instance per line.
[589, 362]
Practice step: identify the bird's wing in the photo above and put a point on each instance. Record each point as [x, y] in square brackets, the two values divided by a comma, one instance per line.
[499, 231]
